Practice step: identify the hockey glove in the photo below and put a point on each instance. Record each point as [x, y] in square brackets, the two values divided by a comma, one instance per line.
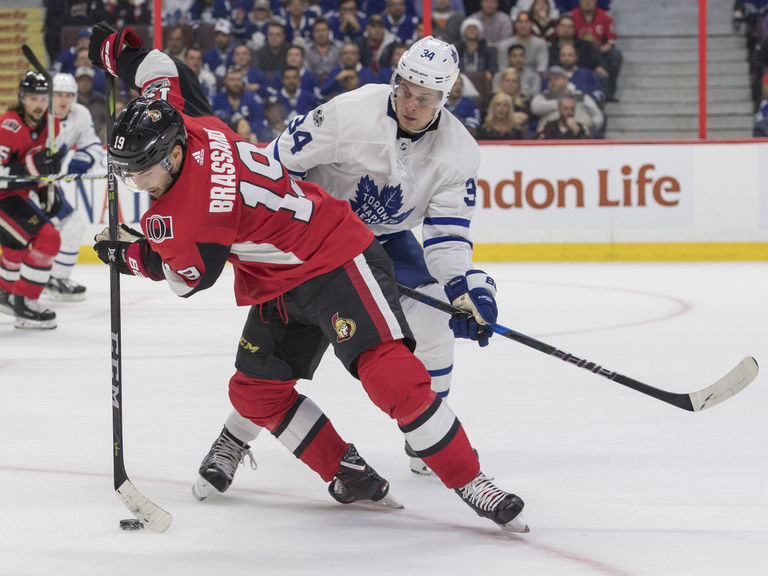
[107, 43]
[42, 163]
[474, 292]
[50, 200]
[81, 162]
[129, 252]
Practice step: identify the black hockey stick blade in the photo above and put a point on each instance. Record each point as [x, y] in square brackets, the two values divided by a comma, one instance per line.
[153, 517]
[729, 385]
[32, 59]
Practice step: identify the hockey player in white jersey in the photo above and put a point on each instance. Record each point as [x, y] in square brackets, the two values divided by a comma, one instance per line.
[86, 152]
[401, 161]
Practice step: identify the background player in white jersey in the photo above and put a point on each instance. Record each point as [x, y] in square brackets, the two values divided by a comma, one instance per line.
[401, 161]
[85, 152]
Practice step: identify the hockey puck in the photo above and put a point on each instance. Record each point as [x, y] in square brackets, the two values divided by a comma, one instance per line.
[131, 524]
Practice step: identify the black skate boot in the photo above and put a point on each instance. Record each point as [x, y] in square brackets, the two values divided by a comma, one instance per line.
[493, 503]
[218, 467]
[30, 314]
[6, 304]
[357, 481]
[64, 289]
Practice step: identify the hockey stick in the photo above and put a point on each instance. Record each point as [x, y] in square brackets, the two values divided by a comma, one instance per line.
[149, 513]
[30, 56]
[57, 178]
[729, 385]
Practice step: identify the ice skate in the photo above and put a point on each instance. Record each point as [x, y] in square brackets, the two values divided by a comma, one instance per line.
[417, 465]
[30, 314]
[492, 502]
[358, 482]
[220, 464]
[6, 305]
[64, 289]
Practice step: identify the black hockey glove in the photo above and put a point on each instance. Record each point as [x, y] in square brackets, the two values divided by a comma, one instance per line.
[50, 199]
[129, 252]
[42, 163]
[106, 44]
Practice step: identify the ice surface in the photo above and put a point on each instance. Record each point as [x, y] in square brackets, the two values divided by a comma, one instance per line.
[615, 483]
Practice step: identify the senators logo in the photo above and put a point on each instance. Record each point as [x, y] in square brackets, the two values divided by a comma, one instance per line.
[154, 115]
[159, 228]
[345, 328]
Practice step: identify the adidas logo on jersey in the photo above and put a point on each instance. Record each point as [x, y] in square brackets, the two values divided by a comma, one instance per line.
[199, 156]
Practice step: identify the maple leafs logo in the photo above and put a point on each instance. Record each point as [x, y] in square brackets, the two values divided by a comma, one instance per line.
[374, 207]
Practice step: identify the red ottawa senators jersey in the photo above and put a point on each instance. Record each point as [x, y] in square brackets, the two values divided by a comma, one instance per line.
[232, 201]
[17, 140]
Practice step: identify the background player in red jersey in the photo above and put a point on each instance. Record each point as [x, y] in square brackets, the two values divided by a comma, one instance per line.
[308, 267]
[29, 241]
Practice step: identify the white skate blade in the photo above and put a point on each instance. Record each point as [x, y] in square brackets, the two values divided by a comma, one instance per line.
[202, 489]
[61, 297]
[25, 323]
[517, 525]
[387, 502]
[419, 468]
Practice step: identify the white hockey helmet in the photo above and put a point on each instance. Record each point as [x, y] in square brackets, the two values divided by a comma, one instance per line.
[431, 63]
[64, 83]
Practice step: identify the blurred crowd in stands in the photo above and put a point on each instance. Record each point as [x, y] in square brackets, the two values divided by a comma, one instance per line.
[530, 68]
[751, 17]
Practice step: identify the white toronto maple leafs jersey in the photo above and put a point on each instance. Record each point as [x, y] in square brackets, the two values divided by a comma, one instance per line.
[79, 135]
[351, 147]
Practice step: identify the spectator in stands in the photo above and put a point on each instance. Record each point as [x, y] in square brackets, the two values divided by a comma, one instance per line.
[241, 32]
[595, 25]
[194, 59]
[270, 58]
[565, 126]
[324, 51]
[536, 50]
[530, 81]
[496, 25]
[99, 77]
[465, 109]
[65, 61]
[255, 80]
[180, 12]
[499, 121]
[760, 129]
[298, 22]
[377, 44]
[217, 57]
[242, 128]
[526, 5]
[173, 42]
[474, 53]
[347, 24]
[258, 19]
[399, 22]
[589, 55]
[236, 100]
[543, 24]
[386, 73]
[509, 83]
[294, 57]
[128, 13]
[94, 100]
[350, 72]
[446, 22]
[293, 100]
[582, 78]
[544, 105]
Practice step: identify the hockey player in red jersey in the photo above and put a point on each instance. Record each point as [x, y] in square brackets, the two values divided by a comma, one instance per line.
[308, 267]
[28, 239]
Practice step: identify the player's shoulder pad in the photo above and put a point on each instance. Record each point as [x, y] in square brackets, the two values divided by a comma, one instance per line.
[361, 112]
